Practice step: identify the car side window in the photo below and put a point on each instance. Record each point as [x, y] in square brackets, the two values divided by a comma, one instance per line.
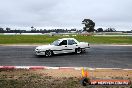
[64, 42]
[71, 42]
[74, 42]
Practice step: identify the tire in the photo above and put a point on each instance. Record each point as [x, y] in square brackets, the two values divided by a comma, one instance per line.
[85, 81]
[78, 50]
[83, 50]
[48, 53]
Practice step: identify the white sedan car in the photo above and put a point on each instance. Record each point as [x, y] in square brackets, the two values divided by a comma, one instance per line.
[64, 45]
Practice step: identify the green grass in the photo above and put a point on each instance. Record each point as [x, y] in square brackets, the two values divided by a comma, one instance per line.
[45, 39]
[26, 39]
[106, 39]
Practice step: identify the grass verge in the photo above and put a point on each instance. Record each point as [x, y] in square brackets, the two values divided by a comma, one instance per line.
[32, 79]
[45, 39]
[53, 78]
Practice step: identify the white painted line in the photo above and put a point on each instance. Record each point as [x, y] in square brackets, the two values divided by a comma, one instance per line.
[91, 68]
[119, 45]
[51, 67]
[22, 67]
[77, 68]
[127, 69]
[109, 68]
[66, 67]
[1, 66]
[47, 67]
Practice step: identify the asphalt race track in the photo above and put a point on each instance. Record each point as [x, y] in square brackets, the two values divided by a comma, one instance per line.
[98, 56]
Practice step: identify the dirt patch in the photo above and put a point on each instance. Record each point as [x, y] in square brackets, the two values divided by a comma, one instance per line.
[60, 73]
[63, 78]
[111, 74]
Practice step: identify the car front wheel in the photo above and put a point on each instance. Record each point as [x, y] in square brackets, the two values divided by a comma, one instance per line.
[48, 53]
[78, 50]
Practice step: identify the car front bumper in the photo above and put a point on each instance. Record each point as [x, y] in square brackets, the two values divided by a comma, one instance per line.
[39, 52]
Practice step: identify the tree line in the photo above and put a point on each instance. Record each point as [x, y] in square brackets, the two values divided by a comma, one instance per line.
[88, 27]
[34, 30]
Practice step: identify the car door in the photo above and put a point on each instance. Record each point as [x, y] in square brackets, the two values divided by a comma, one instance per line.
[62, 48]
[72, 45]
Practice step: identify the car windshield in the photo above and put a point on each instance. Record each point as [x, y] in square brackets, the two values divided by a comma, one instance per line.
[56, 43]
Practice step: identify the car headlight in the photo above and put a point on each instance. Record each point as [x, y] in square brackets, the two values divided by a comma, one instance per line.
[37, 49]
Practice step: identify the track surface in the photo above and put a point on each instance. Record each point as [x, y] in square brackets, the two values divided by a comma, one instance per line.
[101, 56]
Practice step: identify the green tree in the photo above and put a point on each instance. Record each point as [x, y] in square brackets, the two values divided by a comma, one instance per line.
[1, 30]
[32, 28]
[110, 30]
[100, 30]
[89, 25]
[8, 29]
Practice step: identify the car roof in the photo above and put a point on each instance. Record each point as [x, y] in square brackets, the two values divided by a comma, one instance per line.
[66, 38]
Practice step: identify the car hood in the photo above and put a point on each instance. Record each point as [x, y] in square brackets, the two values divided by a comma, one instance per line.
[45, 47]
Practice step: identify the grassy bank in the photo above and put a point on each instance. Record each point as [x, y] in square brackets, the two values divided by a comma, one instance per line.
[56, 79]
[29, 79]
[45, 39]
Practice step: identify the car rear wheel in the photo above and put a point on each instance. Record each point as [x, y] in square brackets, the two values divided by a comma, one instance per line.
[78, 50]
[48, 53]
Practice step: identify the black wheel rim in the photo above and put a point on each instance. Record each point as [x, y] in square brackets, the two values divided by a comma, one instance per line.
[78, 50]
[48, 53]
